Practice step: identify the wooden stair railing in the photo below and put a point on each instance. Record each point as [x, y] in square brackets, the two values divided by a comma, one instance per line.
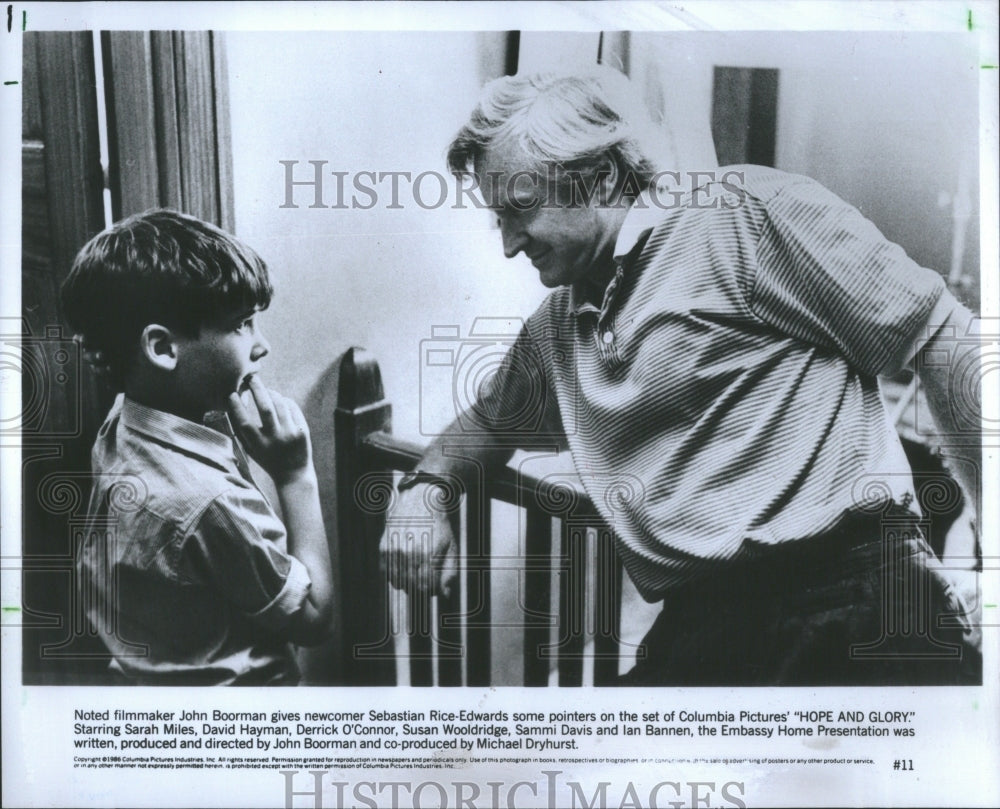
[443, 635]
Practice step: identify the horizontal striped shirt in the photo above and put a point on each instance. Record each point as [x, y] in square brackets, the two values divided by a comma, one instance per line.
[723, 395]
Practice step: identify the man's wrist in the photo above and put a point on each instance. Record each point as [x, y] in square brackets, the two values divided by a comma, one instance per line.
[419, 476]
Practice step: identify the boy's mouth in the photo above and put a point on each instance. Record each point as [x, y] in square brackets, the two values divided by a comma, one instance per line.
[244, 385]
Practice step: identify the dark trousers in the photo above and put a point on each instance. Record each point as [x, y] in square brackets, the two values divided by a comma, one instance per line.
[867, 604]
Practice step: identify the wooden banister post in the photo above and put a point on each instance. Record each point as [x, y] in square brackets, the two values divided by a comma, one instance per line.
[364, 596]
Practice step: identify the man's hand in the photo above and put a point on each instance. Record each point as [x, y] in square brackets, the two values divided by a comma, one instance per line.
[419, 549]
[950, 370]
[281, 443]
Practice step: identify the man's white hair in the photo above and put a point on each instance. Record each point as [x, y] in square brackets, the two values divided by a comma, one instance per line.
[574, 120]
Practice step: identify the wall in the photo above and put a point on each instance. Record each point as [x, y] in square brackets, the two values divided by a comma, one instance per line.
[887, 121]
[379, 278]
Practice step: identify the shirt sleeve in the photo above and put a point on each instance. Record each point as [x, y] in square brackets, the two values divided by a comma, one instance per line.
[826, 275]
[237, 548]
[517, 401]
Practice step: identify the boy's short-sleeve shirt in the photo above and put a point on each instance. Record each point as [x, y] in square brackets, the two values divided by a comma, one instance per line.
[183, 565]
[724, 395]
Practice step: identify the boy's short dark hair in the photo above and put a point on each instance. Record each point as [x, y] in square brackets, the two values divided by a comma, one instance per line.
[162, 267]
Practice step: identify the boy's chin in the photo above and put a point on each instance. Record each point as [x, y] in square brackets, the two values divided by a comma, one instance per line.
[218, 404]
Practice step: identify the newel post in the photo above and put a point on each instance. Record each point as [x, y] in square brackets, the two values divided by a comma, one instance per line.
[362, 495]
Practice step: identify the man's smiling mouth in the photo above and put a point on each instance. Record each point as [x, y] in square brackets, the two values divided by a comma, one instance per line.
[538, 258]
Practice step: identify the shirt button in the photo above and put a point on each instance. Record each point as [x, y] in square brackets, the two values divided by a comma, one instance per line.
[608, 337]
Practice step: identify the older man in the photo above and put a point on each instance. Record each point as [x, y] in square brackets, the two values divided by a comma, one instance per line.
[717, 345]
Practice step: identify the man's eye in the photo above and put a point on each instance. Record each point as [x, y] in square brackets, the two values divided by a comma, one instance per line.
[508, 214]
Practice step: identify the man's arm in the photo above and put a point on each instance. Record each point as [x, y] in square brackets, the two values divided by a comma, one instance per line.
[949, 368]
[515, 408]
[456, 456]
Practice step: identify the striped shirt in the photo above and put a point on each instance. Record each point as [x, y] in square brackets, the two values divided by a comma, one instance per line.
[724, 393]
[183, 567]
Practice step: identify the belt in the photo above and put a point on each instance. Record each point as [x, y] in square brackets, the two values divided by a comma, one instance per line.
[860, 541]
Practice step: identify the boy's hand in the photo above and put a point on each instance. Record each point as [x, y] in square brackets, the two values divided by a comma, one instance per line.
[281, 443]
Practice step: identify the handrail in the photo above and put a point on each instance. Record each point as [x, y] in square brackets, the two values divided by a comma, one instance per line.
[384, 450]
[453, 635]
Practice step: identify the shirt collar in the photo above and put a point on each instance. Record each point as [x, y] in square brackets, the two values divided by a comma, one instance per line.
[642, 216]
[194, 439]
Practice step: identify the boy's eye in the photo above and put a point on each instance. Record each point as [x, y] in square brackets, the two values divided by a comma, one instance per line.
[245, 324]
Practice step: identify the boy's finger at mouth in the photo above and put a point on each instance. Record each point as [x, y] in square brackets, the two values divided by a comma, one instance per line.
[245, 398]
[244, 385]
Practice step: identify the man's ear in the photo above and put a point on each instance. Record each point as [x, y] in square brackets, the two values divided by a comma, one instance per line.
[611, 179]
[159, 346]
[610, 173]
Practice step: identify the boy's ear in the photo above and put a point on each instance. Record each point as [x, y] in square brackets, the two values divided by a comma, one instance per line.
[158, 345]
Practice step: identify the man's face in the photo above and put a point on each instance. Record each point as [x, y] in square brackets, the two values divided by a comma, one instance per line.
[220, 360]
[564, 238]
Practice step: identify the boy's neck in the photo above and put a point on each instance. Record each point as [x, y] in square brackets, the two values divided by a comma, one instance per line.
[158, 397]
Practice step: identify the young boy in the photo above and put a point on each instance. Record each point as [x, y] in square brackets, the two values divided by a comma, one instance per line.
[186, 572]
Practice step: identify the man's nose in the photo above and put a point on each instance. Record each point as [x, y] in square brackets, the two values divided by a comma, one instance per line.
[514, 239]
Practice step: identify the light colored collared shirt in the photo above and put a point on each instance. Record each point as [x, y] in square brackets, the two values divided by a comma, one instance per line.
[182, 562]
[724, 394]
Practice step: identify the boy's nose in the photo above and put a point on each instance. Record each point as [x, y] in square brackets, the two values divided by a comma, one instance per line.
[261, 348]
